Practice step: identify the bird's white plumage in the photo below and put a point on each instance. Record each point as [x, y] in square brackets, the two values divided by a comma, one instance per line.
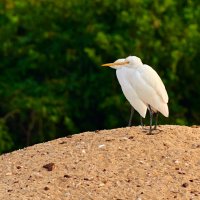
[142, 86]
[130, 92]
[151, 77]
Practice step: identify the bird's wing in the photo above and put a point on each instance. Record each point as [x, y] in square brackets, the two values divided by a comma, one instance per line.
[130, 93]
[149, 88]
[154, 80]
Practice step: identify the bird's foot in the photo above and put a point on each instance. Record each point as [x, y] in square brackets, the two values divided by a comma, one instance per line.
[143, 126]
[155, 127]
[154, 131]
[150, 133]
[146, 130]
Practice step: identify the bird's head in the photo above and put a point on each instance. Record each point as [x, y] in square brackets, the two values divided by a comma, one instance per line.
[130, 62]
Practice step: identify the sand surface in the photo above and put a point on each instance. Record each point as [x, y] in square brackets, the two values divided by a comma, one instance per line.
[118, 164]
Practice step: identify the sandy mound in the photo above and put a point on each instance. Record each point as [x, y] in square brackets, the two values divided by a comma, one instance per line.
[115, 164]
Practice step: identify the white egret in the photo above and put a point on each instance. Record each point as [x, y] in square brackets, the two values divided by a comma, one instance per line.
[142, 87]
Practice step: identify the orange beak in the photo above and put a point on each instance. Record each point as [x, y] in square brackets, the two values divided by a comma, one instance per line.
[115, 64]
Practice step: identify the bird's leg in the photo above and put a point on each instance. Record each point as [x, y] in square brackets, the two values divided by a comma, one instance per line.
[151, 116]
[141, 122]
[156, 121]
[131, 116]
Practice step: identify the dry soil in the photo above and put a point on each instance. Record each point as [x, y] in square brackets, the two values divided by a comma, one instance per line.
[116, 164]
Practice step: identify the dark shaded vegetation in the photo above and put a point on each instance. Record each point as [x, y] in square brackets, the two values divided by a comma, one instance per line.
[51, 84]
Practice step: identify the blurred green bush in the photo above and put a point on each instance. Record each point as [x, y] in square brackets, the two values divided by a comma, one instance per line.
[51, 84]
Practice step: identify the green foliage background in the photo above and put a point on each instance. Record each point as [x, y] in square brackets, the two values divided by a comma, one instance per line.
[51, 84]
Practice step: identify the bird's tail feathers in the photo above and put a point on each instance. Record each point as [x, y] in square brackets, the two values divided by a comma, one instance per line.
[164, 110]
[143, 111]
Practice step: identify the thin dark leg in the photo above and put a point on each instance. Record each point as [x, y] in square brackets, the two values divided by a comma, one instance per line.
[131, 116]
[156, 121]
[141, 122]
[151, 116]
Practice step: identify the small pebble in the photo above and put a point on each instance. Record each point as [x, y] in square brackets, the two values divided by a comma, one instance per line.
[185, 185]
[67, 176]
[83, 151]
[46, 188]
[102, 145]
[49, 166]
[101, 184]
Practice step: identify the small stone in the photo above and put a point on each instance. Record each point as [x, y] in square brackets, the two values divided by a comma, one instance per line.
[101, 184]
[46, 188]
[108, 140]
[185, 185]
[176, 161]
[181, 172]
[16, 182]
[67, 194]
[194, 126]
[63, 142]
[195, 146]
[102, 146]
[138, 185]
[49, 166]
[124, 138]
[83, 151]
[67, 176]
